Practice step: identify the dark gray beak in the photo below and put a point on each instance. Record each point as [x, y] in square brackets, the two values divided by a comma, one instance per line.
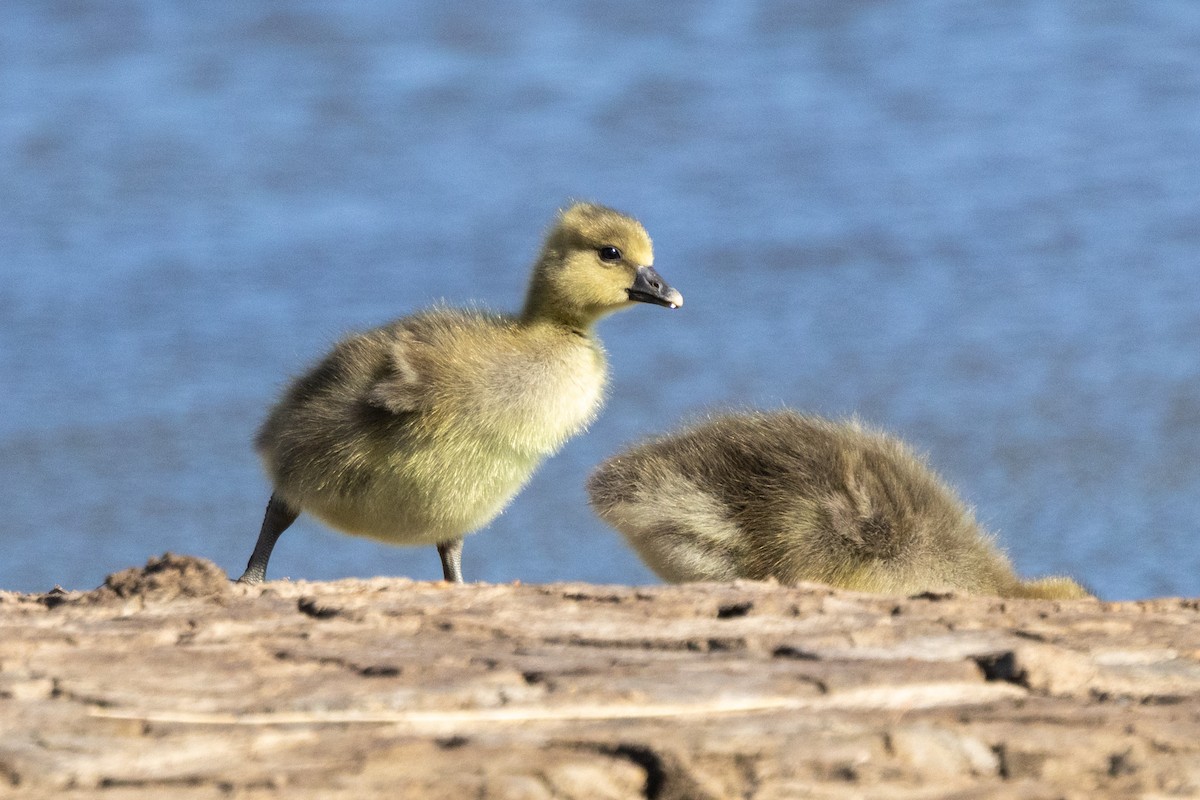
[649, 287]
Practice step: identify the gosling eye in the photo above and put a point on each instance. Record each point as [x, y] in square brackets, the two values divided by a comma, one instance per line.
[609, 253]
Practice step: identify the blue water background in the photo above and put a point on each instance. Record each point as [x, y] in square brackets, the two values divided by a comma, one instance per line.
[974, 224]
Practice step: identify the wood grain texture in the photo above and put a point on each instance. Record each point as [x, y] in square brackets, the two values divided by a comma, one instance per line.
[170, 681]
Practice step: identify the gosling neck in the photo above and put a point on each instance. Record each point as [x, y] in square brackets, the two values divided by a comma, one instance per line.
[545, 302]
[539, 308]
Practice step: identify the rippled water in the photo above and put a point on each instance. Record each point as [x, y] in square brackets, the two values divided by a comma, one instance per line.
[973, 224]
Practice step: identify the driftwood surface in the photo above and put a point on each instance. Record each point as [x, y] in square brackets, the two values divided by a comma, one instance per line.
[171, 682]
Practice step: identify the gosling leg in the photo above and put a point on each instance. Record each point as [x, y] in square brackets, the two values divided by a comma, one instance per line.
[451, 553]
[277, 519]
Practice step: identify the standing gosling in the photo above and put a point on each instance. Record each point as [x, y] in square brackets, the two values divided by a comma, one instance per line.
[800, 498]
[421, 431]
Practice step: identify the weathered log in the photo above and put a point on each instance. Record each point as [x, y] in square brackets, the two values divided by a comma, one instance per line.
[170, 681]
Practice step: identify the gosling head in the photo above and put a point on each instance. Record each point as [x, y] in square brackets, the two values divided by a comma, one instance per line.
[595, 261]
